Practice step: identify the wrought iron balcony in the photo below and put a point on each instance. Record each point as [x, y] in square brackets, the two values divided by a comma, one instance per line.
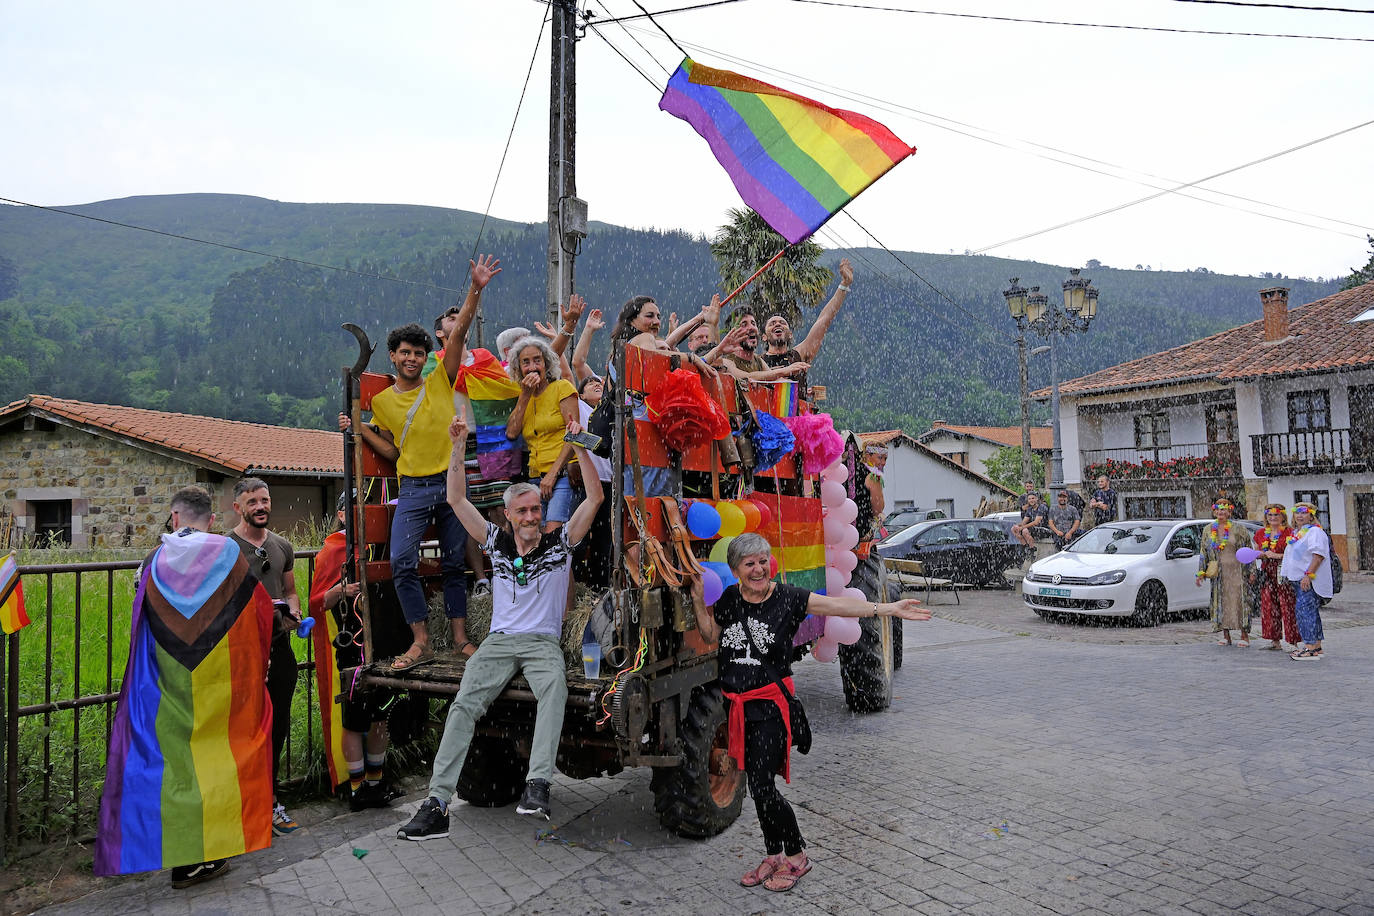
[1188, 460]
[1312, 451]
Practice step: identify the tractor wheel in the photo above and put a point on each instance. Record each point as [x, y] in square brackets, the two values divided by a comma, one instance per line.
[866, 667]
[703, 794]
[494, 773]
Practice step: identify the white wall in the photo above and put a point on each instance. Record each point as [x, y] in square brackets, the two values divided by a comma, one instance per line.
[1274, 396]
[914, 475]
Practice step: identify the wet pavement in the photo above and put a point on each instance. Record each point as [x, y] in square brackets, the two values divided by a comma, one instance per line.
[1024, 767]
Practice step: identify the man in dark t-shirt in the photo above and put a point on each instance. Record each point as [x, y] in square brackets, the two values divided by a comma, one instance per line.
[777, 333]
[1103, 501]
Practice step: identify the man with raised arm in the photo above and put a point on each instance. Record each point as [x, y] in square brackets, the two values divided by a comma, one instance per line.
[531, 572]
[409, 426]
[777, 333]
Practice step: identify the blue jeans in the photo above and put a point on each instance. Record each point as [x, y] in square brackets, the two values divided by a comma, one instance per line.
[1309, 613]
[422, 501]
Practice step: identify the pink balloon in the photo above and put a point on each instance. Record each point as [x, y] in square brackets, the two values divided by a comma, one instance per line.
[855, 593]
[844, 630]
[825, 650]
[847, 511]
[849, 537]
[843, 560]
[835, 581]
[836, 472]
[835, 531]
[832, 493]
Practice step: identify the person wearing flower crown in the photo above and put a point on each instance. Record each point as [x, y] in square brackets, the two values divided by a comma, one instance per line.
[1230, 610]
[1307, 566]
[1277, 617]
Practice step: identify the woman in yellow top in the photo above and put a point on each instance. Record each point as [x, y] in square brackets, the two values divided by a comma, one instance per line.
[547, 404]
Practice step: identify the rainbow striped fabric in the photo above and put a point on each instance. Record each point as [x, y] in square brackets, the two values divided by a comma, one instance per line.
[328, 572]
[798, 539]
[783, 403]
[13, 617]
[492, 395]
[188, 777]
[795, 161]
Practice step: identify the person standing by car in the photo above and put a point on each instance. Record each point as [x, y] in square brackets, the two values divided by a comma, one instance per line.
[1307, 566]
[1230, 610]
[1277, 602]
[1064, 520]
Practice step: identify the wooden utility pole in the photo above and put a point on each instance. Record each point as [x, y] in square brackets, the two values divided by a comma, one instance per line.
[567, 214]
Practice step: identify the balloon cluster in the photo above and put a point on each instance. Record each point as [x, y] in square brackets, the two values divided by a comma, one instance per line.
[838, 514]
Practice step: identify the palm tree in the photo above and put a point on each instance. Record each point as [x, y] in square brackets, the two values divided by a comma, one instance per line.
[795, 283]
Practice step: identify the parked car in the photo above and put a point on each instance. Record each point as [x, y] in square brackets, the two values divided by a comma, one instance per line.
[975, 550]
[901, 519]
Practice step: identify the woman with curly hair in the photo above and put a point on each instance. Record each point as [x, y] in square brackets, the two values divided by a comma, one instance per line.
[1277, 617]
[1230, 610]
[547, 404]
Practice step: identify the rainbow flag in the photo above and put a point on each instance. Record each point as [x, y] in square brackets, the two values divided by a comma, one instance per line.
[328, 571]
[492, 395]
[13, 617]
[188, 777]
[797, 538]
[795, 161]
[783, 402]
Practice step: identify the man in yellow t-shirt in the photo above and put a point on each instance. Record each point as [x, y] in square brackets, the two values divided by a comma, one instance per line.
[410, 428]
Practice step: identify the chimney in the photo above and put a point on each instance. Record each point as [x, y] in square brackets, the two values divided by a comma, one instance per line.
[938, 423]
[1275, 302]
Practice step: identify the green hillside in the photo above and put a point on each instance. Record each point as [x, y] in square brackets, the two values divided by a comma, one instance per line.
[103, 313]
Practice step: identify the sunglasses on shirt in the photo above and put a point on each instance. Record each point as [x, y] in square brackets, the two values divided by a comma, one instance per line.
[261, 554]
[521, 574]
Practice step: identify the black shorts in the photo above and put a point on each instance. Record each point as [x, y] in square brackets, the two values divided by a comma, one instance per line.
[365, 708]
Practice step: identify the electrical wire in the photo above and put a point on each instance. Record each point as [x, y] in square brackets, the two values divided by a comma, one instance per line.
[610, 44]
[655, 24]
[1280, 6]
[1084, 25]
[669, 12]
[588, 14]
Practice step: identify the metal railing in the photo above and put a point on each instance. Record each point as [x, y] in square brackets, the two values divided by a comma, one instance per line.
[60, 688]
[1186, 459]
[1306, 451]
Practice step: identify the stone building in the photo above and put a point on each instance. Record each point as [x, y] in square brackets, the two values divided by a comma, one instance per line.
[97, 475]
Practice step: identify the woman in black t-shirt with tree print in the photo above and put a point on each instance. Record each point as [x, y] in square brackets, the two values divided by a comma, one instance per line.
[756, 621]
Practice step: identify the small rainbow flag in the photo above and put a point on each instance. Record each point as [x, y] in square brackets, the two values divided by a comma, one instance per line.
[783, 403]
[795, 161]
[188, 777]
[493, 396]
[13, 617]
[798, 539]
[328, 572]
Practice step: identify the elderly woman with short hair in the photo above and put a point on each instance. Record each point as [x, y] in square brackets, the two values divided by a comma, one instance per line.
[1307, 567]
[756, 621]
[547, 404]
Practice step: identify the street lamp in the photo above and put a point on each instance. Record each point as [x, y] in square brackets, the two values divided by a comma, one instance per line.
[1032, 310]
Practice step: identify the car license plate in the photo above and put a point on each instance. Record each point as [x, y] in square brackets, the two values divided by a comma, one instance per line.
[1055, 592]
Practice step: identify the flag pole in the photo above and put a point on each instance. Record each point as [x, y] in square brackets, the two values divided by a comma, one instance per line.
[754, 276]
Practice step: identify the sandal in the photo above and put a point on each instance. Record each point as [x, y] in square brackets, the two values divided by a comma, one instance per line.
[762, 873]
[407, 661]
[1243, 644]
[1306, 655]
[1223, 642]
[787, 875]
[1273, 647]
[468, 644]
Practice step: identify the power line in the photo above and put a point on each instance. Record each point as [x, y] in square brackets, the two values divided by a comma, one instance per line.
[254, 251]
[648, 79]
[588, 17]
[1280, 6]
[659, 27]
[1085, 25]
[680, 9]
[1149, 197]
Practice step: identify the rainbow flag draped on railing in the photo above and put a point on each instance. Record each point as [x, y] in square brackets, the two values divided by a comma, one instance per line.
[783, 403]
[797, 537]
[795, 161]
[492, 395]
[328, 573]
[13, 617]
[188, 777]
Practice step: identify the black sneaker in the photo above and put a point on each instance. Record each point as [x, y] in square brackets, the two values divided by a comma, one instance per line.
[371, 795]
[186, 875]
[429, 823]
[535, 800]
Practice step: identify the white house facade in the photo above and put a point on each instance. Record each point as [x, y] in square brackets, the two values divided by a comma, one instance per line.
[918, 478]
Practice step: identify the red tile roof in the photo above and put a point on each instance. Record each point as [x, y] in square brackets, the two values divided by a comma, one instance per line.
[1041, 437]
[1322, 338]
[232, 445]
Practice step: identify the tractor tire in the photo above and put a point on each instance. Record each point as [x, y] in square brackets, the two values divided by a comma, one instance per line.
[494, 773]
[702, 795]
[866, 667]
[898, 626]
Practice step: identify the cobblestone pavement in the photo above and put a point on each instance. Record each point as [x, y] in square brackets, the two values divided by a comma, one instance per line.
[1013, 774]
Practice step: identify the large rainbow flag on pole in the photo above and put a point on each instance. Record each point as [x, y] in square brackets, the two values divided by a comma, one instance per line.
[13, 617]
[795, 161]
[188, 777]
[328, 573]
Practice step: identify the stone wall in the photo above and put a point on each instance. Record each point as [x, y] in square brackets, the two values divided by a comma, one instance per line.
[119, 493]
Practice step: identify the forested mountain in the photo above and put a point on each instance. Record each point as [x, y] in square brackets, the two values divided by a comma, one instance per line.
[103, 313]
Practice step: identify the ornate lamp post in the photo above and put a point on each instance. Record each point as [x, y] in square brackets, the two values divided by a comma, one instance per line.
[1033, 310]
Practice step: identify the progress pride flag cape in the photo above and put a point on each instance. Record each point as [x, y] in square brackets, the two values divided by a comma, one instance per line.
[188, 777]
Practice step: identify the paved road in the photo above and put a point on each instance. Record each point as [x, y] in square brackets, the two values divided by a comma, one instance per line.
[1024, 767]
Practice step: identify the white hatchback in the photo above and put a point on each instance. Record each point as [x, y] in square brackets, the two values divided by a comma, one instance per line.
[1140, 569]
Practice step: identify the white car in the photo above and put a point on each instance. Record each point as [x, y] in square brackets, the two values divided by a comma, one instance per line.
[1140, 569]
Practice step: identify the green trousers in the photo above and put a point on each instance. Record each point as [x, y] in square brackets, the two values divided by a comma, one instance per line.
[500, 657]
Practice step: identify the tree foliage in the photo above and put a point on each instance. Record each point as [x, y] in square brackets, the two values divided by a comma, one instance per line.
[795, 283]
[1359, 276]
[1005, 467]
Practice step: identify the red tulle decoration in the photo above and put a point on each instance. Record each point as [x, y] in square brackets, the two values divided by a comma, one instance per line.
[684, 414]
[817, 440]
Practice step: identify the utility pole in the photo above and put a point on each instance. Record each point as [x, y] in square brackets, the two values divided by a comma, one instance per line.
[567, 215]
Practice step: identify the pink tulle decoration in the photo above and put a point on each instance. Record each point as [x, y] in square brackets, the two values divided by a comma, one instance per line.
[817, 440]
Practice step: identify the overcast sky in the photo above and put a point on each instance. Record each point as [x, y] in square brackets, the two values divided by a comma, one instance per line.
[411, 101]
